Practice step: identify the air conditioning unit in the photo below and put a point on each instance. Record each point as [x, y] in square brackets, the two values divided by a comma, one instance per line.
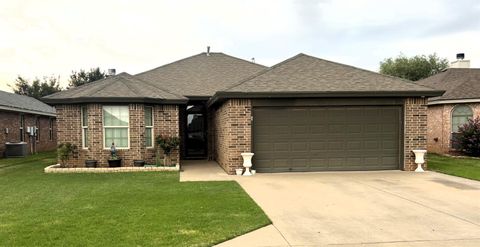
[19, 149]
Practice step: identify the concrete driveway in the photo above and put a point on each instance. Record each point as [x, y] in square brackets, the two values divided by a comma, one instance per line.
[391, 208]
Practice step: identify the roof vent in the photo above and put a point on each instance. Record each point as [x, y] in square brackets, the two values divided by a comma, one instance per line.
[253, 60]
[111, 72]
[208, 50]
[460, 62]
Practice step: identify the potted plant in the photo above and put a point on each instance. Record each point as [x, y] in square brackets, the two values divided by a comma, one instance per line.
[114, 160]
[139, 163]
[64, 151]
[167, 144]
[90, 163]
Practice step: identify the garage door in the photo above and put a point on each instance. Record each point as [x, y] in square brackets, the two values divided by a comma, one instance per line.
[326, 138]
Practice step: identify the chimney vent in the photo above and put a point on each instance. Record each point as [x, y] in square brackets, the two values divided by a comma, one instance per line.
[460, 62]
[208, 50]
[111, 72]
[253, 60]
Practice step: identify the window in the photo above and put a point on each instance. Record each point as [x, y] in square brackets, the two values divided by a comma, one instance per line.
[115, 126]
[460, 116]
[50, 129]
[37, 129]
[149, 127]
[84, 114]
[22, 127]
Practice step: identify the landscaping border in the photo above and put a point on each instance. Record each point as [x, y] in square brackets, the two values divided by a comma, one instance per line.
[57, 169]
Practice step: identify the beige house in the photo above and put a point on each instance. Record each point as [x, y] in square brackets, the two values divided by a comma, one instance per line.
[460, 102]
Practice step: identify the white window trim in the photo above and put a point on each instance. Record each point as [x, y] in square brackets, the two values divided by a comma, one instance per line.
[113, 127]
[84, 127]
[151, 127]
[22, 124]
[50, 129]
[451, 116]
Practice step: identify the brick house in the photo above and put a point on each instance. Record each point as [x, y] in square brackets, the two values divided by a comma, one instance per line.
[460, 102]
[17, 113]
[303, 114]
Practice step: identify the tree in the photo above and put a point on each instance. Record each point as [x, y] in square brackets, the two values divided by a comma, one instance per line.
[413, 68]
[36, 89]
[83, 77]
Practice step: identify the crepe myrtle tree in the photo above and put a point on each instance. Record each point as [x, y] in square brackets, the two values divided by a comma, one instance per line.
[167, 144]
[468, 137]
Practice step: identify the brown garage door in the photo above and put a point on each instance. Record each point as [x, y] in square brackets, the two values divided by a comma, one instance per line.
[326, 138]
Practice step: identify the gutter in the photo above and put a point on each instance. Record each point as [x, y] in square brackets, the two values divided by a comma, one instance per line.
[222, 95]
[82, 100]
[453, 101]
[27, 111]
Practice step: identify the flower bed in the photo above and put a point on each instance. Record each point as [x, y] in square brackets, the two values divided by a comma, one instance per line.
[57, 169]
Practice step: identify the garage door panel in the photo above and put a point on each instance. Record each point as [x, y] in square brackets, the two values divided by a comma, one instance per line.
[281, 147]
[326, 138]
[300, 146]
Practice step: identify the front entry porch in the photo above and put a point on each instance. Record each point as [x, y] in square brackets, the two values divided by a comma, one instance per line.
[202, 170]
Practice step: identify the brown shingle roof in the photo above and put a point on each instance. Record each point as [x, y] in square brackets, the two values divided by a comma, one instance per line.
[119, 88]
[458, 84]
[307, 74]
[201, 75]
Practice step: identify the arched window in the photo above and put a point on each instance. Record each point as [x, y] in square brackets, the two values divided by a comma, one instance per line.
[460, 116]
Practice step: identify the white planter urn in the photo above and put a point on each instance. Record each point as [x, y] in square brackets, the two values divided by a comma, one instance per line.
[239, 171]
[247, 163]
[419, 159]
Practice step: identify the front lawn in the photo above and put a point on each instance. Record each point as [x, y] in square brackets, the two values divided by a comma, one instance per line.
[121, 209]
[461, 167]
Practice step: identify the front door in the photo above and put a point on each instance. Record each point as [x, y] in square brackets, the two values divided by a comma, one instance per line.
[196, 141]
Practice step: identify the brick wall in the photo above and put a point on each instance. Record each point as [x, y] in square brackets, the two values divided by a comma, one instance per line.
[440, 126]
[11, 120]
[69, 130]
[165, 123]
[232, 133]
[415, 130]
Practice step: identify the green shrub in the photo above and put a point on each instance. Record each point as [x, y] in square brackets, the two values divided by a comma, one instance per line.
[64, 151]
[168, 143]
[468, 137]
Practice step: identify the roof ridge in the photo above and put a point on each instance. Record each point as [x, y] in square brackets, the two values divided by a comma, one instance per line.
[82, 86]
[114, 78]
[267, 69]
[126, 85]
[369, 71]
[243, 60]
[167, 64]
[157, 87]
[202, 53]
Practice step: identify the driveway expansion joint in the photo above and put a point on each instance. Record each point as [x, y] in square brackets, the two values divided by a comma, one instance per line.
[419, 203]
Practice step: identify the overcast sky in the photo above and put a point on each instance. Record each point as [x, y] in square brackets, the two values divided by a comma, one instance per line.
[49, 37]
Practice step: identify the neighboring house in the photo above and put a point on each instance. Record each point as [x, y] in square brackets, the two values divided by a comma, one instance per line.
[460, 102]
[303, 114]
[17, 113]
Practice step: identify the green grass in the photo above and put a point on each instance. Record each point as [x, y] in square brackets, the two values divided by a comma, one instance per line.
[461, 167]
[121, 209]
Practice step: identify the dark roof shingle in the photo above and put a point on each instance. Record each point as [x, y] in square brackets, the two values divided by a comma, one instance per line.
[457, 83]
[201, 75]
[303, 73]
[118, 88]
[21, 103]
